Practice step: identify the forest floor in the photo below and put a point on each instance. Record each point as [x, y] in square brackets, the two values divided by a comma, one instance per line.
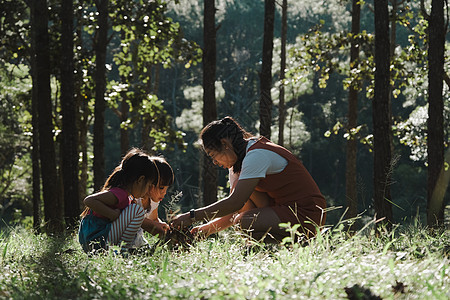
[405, 263]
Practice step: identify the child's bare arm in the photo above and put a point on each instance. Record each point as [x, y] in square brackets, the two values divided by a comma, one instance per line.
[221, 223]
[154, 227]
[100, 203]
[213, 226]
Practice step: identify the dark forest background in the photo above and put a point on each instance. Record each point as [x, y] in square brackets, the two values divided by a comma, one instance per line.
[358, 90]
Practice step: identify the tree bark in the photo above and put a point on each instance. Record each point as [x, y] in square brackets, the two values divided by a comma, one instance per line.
[124, 138]
[209, 170]
[84, 121]
[123, 116]
[52, 203]
[69, 145]
[35, 123]
[84, 115]
[281, 105]
[100, 87]
[381, 115]
[435, 141]
[350, 175]
[265, 104]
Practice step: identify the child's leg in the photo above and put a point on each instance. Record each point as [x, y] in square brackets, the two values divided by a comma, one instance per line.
[125, 227]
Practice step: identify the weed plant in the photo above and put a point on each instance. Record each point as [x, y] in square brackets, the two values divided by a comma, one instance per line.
[404, 263]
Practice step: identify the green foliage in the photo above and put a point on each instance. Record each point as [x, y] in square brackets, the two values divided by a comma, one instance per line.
[14, 30]
[148, 40]
[323, 52]
[15, 166]
[228, 266]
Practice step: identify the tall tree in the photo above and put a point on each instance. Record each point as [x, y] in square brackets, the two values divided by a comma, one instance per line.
[123, 115]
[381, 114]
[69, 145]
[265, 105]
[52, 203]
[350, 171]
[435, 141]
[124, 138]
[84, 96]
[101, 42]
[281, 105]
[209, 170]
[36, 186]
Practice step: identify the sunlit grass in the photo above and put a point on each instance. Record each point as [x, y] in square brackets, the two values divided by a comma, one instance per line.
[406, 263]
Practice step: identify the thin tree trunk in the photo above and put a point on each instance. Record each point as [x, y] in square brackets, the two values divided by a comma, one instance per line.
[84, 121]
[147, 141]
[350, 175]
[381, 116]
[393, 31]
[52, 203]
[435, 141]
[100, 88]
[83, 115]
[209, 170]
[69, 145]
[265, 104]
[124, 138]
[281, 106]
[123, 116]
[35, 140]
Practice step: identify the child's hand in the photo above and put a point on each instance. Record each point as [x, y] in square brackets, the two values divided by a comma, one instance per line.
[181, 221]
[201, 231]
[164, 227]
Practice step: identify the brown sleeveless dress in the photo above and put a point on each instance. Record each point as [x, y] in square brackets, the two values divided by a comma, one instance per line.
[296, 196]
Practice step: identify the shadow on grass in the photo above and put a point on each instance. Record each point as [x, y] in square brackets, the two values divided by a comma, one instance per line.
[43, 269]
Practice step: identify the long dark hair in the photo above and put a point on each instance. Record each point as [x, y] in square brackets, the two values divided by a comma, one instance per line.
[228, 128]
[135, 163]
[166, 176]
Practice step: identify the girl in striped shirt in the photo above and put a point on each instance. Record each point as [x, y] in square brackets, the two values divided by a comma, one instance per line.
[111, 216]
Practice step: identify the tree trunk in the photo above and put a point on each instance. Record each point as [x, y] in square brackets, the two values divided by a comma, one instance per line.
[35, 140]
[123, 116]
[350, 173]
[100, 87]
[265, 104]
[52, 203]
[124, 138]
[84, 121]
[84, 114]
[381, 115]
[281, 106]
[147, 142]
[435, 141]
[209, 170]
[69, 145]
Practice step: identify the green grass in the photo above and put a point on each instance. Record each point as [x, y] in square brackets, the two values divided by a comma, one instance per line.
[408, 263]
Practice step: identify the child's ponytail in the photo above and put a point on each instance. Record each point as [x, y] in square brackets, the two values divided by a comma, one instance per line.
[136, 163]
[115, 179]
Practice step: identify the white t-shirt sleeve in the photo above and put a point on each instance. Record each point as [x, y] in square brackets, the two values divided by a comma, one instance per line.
[255, 165]
[260, 162]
